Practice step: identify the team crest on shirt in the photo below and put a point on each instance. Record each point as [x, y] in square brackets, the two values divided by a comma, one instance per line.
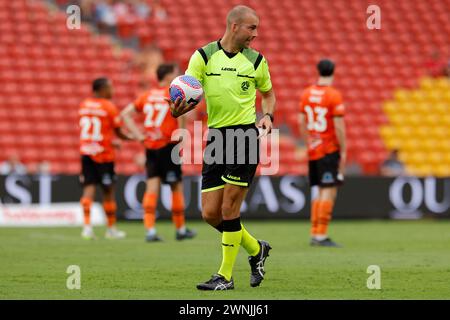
[245, 85]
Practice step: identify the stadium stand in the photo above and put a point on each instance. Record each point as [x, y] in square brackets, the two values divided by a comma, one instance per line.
[419, 127]
[46, 70]
[294, 35]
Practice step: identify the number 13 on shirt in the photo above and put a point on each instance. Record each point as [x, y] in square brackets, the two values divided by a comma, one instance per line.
[316, 118]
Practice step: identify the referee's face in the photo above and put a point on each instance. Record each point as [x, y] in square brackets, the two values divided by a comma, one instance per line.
[247, 30]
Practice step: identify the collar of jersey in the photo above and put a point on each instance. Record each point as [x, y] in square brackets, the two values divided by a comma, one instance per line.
[228, 54]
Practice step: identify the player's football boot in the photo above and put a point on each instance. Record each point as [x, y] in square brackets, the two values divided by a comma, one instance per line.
[257, 263]
[217, 282]
[189, 234]
[113, 233]
[88, 233]
[153, 238]
[324, 243]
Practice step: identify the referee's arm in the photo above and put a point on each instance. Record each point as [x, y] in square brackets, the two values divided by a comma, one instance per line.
[339, 127]
[268, 107]
[268, 102]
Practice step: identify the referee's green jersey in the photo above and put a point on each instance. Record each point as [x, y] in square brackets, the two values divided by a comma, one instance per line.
[230, 82]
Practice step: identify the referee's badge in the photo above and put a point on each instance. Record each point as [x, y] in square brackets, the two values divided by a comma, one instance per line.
[245, 85]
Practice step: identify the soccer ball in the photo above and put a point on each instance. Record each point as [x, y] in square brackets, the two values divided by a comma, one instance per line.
[186, 87]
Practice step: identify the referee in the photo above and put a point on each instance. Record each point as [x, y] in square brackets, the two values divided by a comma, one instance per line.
[231, 72]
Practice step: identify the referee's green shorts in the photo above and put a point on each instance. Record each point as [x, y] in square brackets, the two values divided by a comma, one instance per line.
[231, 156]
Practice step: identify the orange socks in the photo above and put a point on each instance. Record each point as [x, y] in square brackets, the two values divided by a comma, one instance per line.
[86, 205]
[149, 205]
[178, 209]
[314, 216]
[110, 208]
[324, 209]
[321, 217]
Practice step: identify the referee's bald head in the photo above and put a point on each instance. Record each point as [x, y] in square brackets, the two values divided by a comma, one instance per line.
[238, 14]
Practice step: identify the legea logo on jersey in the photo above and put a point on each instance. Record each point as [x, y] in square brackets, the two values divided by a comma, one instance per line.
[230, 146]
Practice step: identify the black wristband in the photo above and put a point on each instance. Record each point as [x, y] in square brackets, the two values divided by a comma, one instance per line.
[270, 116]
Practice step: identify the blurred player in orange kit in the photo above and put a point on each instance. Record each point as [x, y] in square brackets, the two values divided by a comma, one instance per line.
[323, 128]
[159, 126]
[98, 121]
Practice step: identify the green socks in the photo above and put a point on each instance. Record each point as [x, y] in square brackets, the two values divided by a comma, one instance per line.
[250, 244]
[231, 240]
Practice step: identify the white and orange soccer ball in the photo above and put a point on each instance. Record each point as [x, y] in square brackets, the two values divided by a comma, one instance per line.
[186, 87]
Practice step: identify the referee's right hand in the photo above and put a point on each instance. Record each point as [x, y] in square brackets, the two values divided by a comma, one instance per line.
[265, 126]
[180, 107]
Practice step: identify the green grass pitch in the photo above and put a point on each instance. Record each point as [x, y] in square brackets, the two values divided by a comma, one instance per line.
[413, 256]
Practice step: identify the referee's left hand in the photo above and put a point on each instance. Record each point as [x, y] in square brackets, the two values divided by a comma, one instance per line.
[266, 125]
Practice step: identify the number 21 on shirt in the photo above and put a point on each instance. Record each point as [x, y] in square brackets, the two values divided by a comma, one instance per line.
[91, 128]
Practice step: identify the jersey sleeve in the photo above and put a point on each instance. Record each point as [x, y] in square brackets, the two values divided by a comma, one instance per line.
[114, 116]
[338, 106]
[303, 101]
[262, 77]
[139, 103]
[196, 67]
